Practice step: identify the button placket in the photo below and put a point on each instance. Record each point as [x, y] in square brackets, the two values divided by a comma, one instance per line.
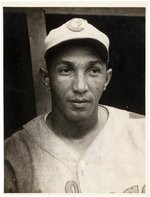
[81, 173]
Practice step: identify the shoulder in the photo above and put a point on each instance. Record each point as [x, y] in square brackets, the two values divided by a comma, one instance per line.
[19, 152]
[130, 126]
[124, 113]
[18, 142]
[129, 121]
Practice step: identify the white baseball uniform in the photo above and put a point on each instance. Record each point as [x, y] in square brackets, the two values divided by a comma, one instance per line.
[36, 160]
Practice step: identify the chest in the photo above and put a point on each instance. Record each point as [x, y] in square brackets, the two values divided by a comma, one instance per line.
[117, 173]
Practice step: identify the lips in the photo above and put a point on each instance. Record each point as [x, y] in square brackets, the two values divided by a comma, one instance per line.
[76, 100]
[80, 103]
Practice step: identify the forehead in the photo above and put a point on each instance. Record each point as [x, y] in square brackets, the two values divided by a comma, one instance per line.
[74, 48]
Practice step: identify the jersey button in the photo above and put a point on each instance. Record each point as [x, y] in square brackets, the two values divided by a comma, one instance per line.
[83, 164]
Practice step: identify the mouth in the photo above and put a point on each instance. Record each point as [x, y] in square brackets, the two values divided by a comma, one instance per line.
[80, 103]
[80, 100]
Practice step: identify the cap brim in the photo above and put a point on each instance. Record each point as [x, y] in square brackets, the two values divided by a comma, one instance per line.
[96, 44]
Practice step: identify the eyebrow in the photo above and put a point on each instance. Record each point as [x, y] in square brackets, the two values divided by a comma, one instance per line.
[97, 62]
[64, 62]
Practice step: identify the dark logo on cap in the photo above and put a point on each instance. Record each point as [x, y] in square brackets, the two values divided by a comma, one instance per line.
[76, 25]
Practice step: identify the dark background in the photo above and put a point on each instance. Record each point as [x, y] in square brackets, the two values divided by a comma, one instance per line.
[127, 58]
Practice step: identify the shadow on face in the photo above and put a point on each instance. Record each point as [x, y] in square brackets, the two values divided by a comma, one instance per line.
[89, 44]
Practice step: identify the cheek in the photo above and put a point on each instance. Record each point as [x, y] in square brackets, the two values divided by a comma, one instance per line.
[97, 86]
[59, 87]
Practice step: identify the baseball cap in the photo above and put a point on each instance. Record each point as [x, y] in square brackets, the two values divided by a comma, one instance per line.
[76, 29]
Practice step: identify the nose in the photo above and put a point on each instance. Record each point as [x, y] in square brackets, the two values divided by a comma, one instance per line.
[80, 83]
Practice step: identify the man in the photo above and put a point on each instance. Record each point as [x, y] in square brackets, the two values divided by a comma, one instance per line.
[80, 146]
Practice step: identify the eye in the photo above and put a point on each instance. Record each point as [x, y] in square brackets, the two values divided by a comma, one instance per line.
[65, 71]
[94, 71]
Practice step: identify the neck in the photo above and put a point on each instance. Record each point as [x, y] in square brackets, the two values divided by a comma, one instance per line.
[70, 129]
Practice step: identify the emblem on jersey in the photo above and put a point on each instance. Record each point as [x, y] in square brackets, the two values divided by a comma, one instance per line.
[76, 24]
[71, 187]
[134, 189]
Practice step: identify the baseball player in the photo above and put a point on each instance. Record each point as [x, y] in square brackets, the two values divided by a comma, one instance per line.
[79, 146]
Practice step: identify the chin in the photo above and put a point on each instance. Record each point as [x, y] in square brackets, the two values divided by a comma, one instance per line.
[78, 116]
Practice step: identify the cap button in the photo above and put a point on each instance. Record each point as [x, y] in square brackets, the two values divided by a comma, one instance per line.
[76, 24]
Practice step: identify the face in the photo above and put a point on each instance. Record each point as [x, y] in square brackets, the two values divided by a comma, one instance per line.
[77, 79]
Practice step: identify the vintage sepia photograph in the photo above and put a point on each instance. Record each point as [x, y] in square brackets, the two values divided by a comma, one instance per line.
[74, 99]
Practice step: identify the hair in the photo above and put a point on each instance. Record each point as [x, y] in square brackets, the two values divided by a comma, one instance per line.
[91, 44]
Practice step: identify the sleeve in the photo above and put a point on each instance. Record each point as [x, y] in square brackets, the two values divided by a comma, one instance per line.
[10, 183]
[17, 166]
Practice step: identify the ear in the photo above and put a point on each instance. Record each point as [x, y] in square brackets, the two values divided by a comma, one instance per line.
[108, 77]
[44, 76]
